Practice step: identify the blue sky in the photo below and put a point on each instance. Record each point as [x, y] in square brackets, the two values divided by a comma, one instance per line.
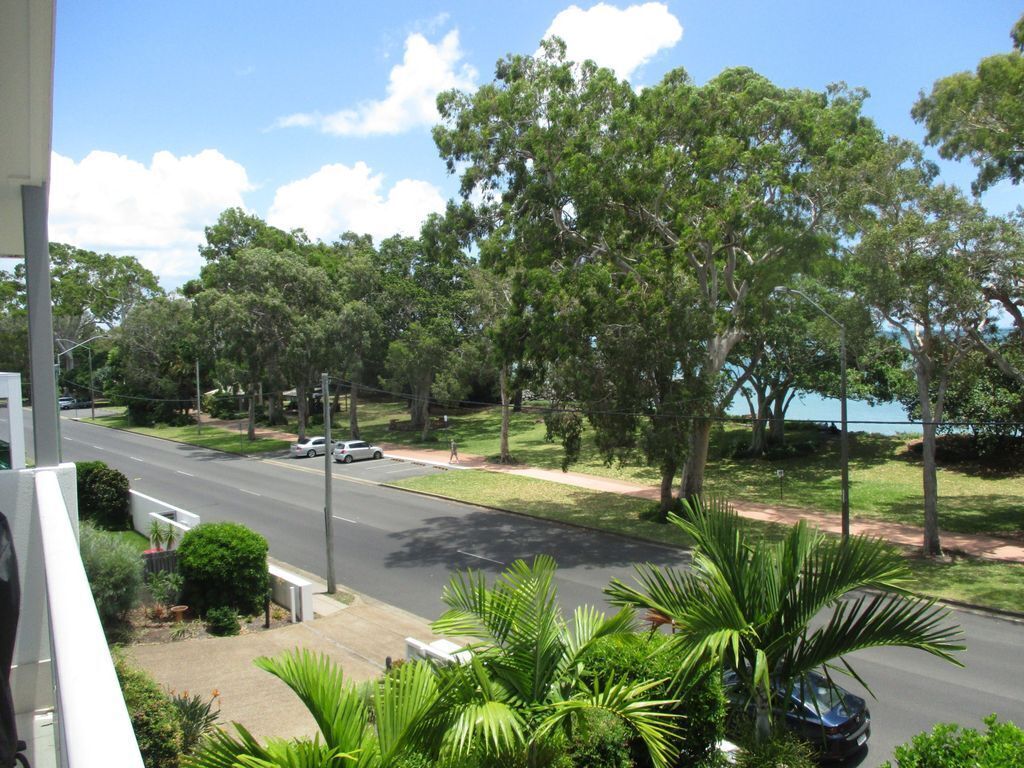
[317, 114]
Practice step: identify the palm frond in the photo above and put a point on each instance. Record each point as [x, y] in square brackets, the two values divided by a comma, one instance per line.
[402, 703]
[337, 708]
[651, 719]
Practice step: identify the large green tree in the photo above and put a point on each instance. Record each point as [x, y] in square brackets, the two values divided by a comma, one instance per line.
[915, 266]
[980, 115]
[753, 605]
[252, 307]
[611, 203]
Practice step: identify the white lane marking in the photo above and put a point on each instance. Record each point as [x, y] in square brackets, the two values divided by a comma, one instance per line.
[251, 493]
[70, 439]
[135, 458]
[480, 557]
[99, 448]
[339, 517]
[186, 474]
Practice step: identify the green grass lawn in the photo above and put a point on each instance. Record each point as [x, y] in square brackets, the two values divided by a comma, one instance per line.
[885, 477]
[209, 437]
[979, 582]
[135, 539]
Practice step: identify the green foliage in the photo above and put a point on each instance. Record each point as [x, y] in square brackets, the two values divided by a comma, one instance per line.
[567, 426]
[103, 496]
[114, 570]
[164, 586]
[223, 564]
[698, 698]
[196, 716]
[948, 745]
[522, 693]
[979, 115]
[221, 406]
[600, 740]
[748, 603]
[154, 717]
[222, 621]
[782, 749]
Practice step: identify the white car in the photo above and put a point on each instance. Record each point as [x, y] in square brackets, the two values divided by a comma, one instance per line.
[310, 447]
[66, 402]
[350, 450]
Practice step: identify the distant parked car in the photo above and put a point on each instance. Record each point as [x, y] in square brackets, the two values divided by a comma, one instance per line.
[310, 447]
[66, 402]
[829, 717]
[349, 450]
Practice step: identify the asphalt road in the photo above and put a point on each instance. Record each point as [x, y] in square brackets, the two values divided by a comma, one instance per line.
[401, 547]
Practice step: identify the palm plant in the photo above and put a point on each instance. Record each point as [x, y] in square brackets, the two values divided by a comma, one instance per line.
[522, 685]
[749, 603]
[359, 727]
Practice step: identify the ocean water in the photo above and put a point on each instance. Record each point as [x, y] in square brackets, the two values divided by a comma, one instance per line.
[884, 418]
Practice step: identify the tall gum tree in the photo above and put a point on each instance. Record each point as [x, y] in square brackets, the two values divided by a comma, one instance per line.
[729, 188]
[914, 268]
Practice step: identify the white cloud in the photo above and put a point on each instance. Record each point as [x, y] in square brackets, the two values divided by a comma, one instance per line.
[621, 39]
[338, 198]
[110, 203]
[413, 85]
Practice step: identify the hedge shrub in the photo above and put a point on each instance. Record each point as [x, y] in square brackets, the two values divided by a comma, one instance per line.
[601, 740]
[114, 570]
[641, 658]
[222, 621]
[154, 717]
[223, 564]
[103, 496]
[949, 746]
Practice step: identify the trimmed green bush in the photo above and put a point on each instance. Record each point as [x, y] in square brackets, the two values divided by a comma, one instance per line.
[103, 496]
[783, 749]
[601, 740]
[223, 564]
[641, 658]
[154, 717]
[222, 621]
[949, 746]
[114, 570]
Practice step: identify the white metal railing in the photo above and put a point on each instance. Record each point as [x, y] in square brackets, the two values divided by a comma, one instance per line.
[93, 725]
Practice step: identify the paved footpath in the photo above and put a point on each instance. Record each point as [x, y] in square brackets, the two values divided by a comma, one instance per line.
[984, 546]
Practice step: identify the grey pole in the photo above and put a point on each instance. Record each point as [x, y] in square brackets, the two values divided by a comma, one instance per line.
[844, 437]
[92, 388]
[328, 458]
[199, 403]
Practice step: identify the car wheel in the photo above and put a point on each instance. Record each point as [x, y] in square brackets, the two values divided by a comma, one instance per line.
[310, 453]
[376, 454]
[348, 458]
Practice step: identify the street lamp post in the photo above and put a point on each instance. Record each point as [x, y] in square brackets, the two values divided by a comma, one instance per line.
[844, 435]
[92, 384]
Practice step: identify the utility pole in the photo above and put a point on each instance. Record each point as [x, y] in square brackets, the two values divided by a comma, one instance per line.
[328, 458]
[92, 387]
[199, 403]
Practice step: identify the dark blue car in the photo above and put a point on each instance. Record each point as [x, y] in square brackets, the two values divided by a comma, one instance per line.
[829, 717]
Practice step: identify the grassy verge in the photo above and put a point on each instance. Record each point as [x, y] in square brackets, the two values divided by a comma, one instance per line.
[979, 582]
[210, 437]
[136, 540]
[885, 477]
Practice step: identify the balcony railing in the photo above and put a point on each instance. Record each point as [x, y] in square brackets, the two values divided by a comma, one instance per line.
[93, 727]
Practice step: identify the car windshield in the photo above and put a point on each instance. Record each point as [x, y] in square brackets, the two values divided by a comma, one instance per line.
[817, 694]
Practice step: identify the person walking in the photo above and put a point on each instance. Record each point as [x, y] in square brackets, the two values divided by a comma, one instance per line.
[453, 458]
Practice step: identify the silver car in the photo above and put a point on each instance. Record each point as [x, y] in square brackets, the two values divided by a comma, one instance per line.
[348, 451]
[310, 447]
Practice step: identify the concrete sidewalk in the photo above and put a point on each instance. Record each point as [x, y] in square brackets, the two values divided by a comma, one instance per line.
[358, 637]
[975, 545]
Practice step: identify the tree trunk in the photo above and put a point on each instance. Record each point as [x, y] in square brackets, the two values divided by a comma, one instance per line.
[932, 545]
[668, 476]
[763, 720]
[517, 401]
[300, 397]
[505, 457]
[759, 428]
[696, 460]
[252, 415]
[777, 425]
[353, 412]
